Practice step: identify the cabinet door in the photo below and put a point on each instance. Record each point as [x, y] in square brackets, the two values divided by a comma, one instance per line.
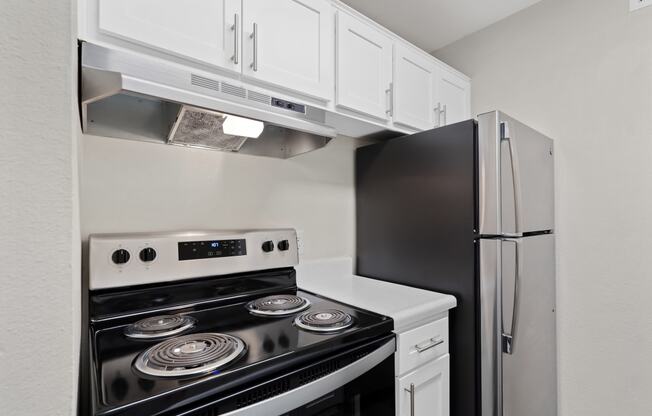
[290, 43]
[202, 30]
[427, 388]
[364, 68]
[414, 78]
[453, 93]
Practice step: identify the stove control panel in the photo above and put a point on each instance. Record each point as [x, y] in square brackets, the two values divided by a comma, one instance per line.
[120, 260]
[193, 250]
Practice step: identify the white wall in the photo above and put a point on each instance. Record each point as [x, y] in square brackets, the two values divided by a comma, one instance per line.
[39, 224]
[132, 186]
[581, 72]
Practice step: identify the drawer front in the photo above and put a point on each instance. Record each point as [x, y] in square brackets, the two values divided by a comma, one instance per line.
[421, 345]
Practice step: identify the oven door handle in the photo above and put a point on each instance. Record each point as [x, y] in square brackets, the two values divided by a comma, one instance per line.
[307, 393]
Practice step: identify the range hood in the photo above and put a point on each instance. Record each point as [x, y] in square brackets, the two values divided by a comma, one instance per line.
[133, 96]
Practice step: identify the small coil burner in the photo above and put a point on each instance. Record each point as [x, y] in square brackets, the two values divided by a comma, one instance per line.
[161, 326]
[278, 305]
[327, 320]
[190, 355]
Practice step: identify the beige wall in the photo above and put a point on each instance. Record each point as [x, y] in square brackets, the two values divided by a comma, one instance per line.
[581, 72]
[132, 186]
[39, 223]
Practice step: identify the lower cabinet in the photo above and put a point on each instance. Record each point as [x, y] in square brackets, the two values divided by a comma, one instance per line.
[425, 391]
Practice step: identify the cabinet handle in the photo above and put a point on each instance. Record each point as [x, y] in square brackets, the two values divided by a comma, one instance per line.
[254, 36]
[390, 92]
[432, 344]
[236, 52]
[444, 112]
[411, 391]
[438, 115]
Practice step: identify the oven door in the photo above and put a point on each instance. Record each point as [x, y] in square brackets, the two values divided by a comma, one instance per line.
[371, 393]
[358, 382]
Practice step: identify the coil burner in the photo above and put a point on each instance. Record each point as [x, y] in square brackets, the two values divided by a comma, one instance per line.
[190, 355]
[327, 320]
[278, 305]
[161, 326]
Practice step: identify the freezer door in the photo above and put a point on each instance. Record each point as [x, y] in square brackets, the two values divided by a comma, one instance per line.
[527, 299]
[516, 177]
[490, 329]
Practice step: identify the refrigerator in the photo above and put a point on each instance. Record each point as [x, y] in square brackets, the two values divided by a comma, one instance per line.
[468, 209]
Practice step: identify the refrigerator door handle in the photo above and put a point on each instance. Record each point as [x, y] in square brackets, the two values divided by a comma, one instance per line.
[516, 177]
[509, 338]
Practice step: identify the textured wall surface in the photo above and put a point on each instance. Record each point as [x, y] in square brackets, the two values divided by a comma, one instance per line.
[132, 186]
[581, 72]
[39, 231]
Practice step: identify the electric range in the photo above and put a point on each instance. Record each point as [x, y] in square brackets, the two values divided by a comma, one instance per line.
[211, 323]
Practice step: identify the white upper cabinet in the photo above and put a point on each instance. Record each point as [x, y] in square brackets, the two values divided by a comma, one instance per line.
[205, 31]
[320, 52]
[426, 390]
[414, 84]
[453, 96]
[364, 68]
[289, 43]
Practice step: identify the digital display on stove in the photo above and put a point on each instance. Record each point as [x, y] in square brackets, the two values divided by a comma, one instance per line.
[194, 250]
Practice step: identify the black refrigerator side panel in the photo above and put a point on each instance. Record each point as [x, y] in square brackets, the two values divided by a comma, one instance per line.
[416, 213]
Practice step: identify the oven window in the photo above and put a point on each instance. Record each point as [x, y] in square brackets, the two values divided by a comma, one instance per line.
[371, 394]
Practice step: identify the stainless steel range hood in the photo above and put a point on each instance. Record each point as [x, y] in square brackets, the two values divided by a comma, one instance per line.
[132, 96]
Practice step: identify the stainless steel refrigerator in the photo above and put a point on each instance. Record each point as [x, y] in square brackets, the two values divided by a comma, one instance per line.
[468, 209]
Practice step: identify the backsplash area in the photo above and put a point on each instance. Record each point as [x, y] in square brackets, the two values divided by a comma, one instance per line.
[129, 186]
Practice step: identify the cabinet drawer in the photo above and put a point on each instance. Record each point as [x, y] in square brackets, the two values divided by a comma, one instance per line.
[420, 345]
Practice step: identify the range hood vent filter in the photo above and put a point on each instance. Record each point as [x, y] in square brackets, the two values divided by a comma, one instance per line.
[197, 127]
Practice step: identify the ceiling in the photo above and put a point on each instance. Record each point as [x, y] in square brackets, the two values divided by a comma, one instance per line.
[432, 24]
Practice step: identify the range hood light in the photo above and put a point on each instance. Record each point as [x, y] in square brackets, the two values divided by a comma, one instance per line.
[243, 127]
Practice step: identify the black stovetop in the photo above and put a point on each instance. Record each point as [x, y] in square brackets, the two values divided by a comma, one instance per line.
[274, 345]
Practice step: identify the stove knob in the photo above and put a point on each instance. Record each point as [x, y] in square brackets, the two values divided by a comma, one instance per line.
[268, 246]
[120, 256]
[147, 254]
[283, 245]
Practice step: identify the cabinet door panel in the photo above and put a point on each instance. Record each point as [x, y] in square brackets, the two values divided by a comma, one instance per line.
[454, 92]
[414, 78]
[197, 29]
[431, 390]
[364, 67]
[293, 46]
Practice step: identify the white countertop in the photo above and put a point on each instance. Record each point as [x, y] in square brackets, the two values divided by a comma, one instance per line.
[407, 306]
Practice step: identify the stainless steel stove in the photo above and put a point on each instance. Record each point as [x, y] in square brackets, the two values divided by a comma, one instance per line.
[212, 323]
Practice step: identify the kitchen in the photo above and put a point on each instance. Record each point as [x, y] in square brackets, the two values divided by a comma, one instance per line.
[577, 71]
